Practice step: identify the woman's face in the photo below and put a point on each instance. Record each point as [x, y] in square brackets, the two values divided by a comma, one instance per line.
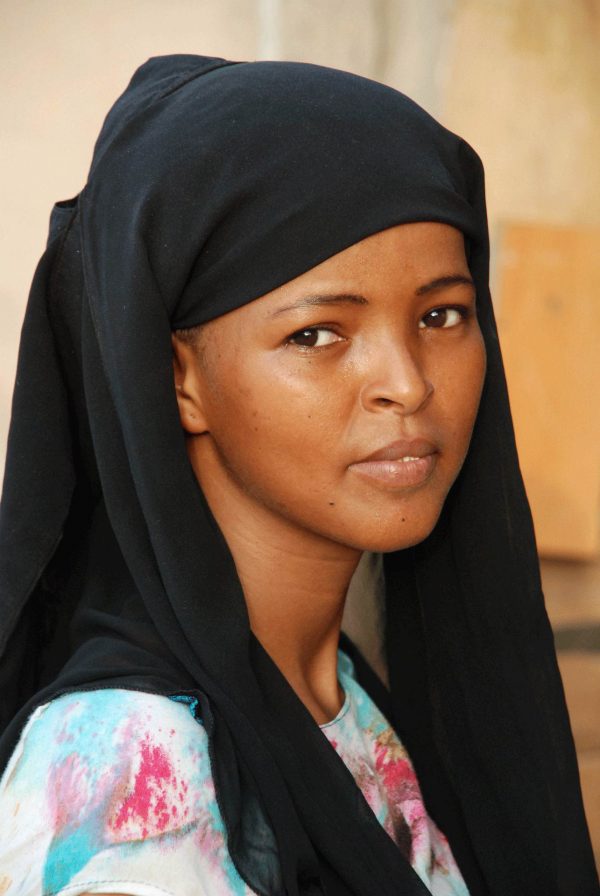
[288, 395]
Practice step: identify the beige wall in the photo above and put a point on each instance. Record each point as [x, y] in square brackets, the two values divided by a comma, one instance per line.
[520, 79]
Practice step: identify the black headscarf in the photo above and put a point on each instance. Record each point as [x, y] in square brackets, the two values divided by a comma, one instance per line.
[212, 183]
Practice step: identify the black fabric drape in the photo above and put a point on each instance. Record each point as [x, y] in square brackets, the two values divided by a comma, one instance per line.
[212, 183]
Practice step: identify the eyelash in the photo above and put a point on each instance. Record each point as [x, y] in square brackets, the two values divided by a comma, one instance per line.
[463, 310]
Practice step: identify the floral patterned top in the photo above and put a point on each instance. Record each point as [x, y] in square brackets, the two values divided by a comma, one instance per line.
[110, 791]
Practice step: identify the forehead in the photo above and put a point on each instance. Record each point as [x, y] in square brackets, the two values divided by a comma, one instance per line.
[398, 257]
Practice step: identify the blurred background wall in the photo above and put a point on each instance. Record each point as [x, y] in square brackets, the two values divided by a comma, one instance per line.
[519, 79]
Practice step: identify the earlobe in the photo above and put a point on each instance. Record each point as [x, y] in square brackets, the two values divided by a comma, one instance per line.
[187, 387]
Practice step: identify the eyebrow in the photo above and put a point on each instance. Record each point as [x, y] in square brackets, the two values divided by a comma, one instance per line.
[345, 298]
[444, 282]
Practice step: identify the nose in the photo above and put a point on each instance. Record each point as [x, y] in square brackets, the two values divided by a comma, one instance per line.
[394, 379]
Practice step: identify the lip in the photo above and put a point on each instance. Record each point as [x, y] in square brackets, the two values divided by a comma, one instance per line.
[386, 468]
[402, 448]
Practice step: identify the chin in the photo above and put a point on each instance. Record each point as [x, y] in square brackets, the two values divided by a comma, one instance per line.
[393, 543]
[397, 537]
[399, 531]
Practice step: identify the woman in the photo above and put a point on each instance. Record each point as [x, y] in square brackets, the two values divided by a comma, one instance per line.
[269, 297]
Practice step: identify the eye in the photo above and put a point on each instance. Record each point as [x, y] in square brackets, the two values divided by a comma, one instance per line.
[445, 317]
[314, 337]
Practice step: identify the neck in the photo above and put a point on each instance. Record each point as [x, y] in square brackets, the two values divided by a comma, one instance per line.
[295, 602]
[294, 582]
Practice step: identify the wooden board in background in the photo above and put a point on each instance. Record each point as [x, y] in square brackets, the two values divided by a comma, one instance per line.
[548, 310]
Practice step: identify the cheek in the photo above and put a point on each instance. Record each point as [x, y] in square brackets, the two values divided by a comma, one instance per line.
[275, 431]
[476, 374]
[461, 387]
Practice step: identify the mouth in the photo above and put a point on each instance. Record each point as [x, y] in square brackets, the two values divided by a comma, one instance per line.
[400, 473]
[400, 464]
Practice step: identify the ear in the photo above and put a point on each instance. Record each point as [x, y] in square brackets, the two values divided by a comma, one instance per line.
[188, 387]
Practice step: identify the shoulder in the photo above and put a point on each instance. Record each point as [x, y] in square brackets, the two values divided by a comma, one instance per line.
[113, 783]
[141, 759]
